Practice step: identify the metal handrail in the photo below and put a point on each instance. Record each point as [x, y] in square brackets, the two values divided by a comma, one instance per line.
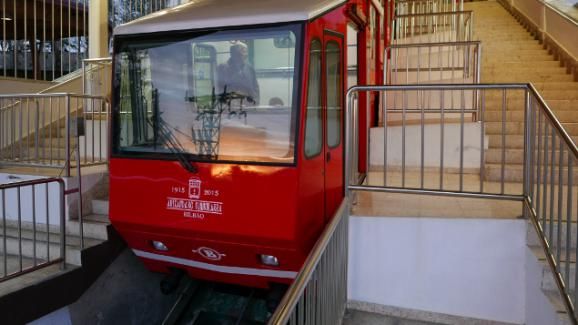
[294, 295]
[541, 128]
[96, 66]
[559, 12]
[32, 126]
[429, 6]
[36, 265]
[552, 118]
[444, 64]
[47, 37]
[458, 21]
[445, 13]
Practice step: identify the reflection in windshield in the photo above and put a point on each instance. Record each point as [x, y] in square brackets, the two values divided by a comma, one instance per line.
[226, 95]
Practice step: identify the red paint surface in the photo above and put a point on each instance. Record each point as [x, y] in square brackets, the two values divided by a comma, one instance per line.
[252, 209]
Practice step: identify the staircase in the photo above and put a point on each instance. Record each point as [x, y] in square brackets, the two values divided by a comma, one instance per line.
[548, 285]
[511, 55]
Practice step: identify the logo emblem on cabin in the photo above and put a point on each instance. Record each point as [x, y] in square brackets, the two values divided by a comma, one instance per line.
[209, 253]
[194, 188]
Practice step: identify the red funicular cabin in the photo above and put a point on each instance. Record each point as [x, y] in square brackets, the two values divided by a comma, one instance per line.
[228, 131]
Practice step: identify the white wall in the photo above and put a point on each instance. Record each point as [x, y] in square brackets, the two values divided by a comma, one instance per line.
[94, 144]
[26, 207]
[89, 180]
[432, 137]
[550, 22]
[539, 310]
[471, 268]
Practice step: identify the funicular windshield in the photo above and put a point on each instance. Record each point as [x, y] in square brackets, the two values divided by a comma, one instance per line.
[226, 95]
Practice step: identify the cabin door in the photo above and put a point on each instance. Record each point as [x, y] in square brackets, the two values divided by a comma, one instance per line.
[333, 78]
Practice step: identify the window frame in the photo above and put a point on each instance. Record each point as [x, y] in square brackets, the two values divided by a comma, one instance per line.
[119, 41]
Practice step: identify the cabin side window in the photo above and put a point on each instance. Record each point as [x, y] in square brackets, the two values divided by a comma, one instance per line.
[333, 93]
[313, 119]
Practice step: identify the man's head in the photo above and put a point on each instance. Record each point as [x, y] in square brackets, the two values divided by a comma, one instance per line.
[239, 53]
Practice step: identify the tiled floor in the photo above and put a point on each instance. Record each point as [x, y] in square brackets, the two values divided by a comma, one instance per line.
[412, 205]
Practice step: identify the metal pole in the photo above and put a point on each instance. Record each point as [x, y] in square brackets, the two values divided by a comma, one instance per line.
[62, 225]
[67, 137]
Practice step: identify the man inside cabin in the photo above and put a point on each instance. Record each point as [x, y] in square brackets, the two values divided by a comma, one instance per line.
[238, 76]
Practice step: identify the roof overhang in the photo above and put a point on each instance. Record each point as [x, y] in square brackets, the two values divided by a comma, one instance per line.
[206, 14]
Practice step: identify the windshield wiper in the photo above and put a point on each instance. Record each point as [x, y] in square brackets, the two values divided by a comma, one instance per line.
[172, 143]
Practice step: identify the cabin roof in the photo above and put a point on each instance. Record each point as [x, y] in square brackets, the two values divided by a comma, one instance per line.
[222, 13]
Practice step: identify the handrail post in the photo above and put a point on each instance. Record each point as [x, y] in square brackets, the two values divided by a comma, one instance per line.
[527, 149]
[348, 140]
[62, 225]
[84, 77]
[79, 176]
[67, 136]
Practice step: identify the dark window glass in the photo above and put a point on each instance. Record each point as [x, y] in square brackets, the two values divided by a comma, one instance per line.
[313, 127]
[333, 75]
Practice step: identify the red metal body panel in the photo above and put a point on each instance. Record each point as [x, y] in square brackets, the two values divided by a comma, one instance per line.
[217, 221]
[248, 210]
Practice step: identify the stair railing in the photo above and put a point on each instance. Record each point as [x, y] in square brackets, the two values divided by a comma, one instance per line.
[96, 73]
[319, 293]
[410, 7]
[124, 11]
[432, 27]
[40, 130]
[32, 210]
[42, 39]
[429, 63]
[464, 159]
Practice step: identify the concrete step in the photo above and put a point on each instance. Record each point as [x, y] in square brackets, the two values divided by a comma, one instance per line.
[94, 226]
[513, 141]
[516, 156]
[519, 104]
[549, 94]
[525, 77]
[513, 44]
[488, 57]
[535, 244]
[494, 155]
[536, 69]
[491, 64]
[496, 116]
[556, 85]
[56, 142]
[47, 244]
[510, 53]
[556, 301]
[496, 38]
[502, 30]
[548, 282]
[509, 127]
[357, 317]
[54, 153]
[100, 207]
[515, 173]
[518, 128]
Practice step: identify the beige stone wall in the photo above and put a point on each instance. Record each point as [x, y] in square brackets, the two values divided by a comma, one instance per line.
[21, 86]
